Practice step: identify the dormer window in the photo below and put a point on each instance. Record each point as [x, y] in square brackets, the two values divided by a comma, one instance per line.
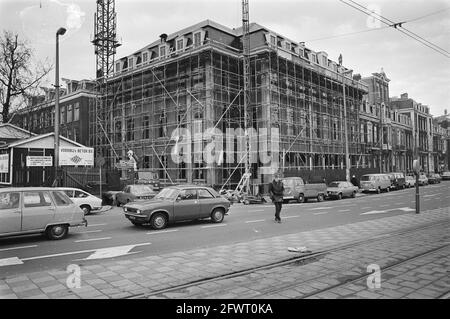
[197, 38]
[180, 45]
[144, 57]
[314, 58]
[287, 45]
[162, 51]
[118, 67]
[130, 63]
[273, 40]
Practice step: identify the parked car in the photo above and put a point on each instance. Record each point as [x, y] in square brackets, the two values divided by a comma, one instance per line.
[341, 189]
[149, 178]
[446, 176]
[434, 178]
[87, 202]
[375, 183]
[410, 181]
[397, 180]
[178, 203]
[31, 210]
[135, 192]
[296, 189]
[423, 180]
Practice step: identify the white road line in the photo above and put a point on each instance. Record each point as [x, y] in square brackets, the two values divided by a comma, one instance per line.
[287, 217]
[92, 239]
[90, 231]
[20, 247]
[430, 195]
[366, 207]
[94, 225]
[161, 232]
[320, 213]
[318, 208]
[254, 221]
[256, 210]
[76, 252]
[211, 226]
[343, 210]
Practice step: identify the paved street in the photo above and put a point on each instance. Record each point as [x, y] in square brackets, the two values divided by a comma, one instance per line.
[116, 257]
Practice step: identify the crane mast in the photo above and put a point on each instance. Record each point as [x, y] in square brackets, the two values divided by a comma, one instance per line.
[246, 76]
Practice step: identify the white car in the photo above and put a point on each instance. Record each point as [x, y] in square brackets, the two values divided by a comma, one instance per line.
[87, 202]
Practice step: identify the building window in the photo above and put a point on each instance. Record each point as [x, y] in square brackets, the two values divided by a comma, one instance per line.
[144, 57]
[180, 44]
[130, 63]
[146, 133]
[63, 115]
[76, 134]
[69, 113]
[162, 51]
[117, 66]
[76, 112]
[287, 46]
[130, 130]
[273, 40]
[197, 39]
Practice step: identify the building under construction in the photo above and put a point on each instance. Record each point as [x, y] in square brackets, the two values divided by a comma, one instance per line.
[193, 80]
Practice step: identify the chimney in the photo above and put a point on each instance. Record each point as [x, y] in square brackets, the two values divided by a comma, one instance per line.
[163, 37]
[404, 96]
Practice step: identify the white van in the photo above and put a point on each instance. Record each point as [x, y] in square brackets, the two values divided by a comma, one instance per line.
[375, 183]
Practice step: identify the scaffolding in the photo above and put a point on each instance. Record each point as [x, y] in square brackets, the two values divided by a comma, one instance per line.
[201, 88]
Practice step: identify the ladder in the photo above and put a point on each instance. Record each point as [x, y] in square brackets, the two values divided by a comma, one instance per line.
[244, 183]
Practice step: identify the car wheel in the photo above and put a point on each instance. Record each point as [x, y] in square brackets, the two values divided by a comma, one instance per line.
[217, 215]
[158, 221]
[56, 232]
[320, 198]
[301, 198]
[86, 209]
[339, 196]
[353, 194]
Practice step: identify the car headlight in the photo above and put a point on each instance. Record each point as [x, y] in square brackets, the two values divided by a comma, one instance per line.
[138, 211]
[125, 209]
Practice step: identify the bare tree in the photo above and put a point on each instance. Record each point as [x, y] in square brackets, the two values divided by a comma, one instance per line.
[17, 76]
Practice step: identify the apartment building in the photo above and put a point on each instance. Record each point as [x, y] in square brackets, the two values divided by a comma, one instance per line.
[193, 79]
[422, 128]
[76, 98]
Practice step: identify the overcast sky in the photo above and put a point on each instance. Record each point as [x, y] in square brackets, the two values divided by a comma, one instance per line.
[411, 66]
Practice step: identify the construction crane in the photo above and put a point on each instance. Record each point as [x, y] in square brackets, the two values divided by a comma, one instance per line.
[244, 184]
[105, 43]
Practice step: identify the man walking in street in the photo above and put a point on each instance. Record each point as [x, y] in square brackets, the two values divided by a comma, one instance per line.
[276, 190]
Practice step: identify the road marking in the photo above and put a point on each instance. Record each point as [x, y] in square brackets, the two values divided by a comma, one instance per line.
[321, 213]
[319, 208]
[405, 209]
[287, 217]
[366, 207]
[82, 252]
[94, 225]
[111, 252]
[161, 232]
[254, 221]
[211, 226]
[20, 247]
[92, 239]
[343, 210]
[256, 210]
[90, 231]
[431, 195]
[10, 261]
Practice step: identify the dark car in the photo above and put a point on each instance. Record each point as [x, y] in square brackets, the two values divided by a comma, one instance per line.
[178, 203]
[446, 176]
[398, 180]
[131, 193]
[434, 178]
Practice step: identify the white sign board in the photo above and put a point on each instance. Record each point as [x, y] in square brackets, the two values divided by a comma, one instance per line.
[38, 161]
[76, 156]
[4, 163]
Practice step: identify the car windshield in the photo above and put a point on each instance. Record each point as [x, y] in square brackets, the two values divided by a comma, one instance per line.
[334, 184]
[141, 189]
[366, 178]
[288, 182]
[167, 193]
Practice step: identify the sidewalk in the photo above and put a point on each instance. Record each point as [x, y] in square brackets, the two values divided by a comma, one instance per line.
[125, 278]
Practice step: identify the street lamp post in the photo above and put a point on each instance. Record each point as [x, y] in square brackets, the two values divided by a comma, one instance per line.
[347, 157]
[60, 31]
